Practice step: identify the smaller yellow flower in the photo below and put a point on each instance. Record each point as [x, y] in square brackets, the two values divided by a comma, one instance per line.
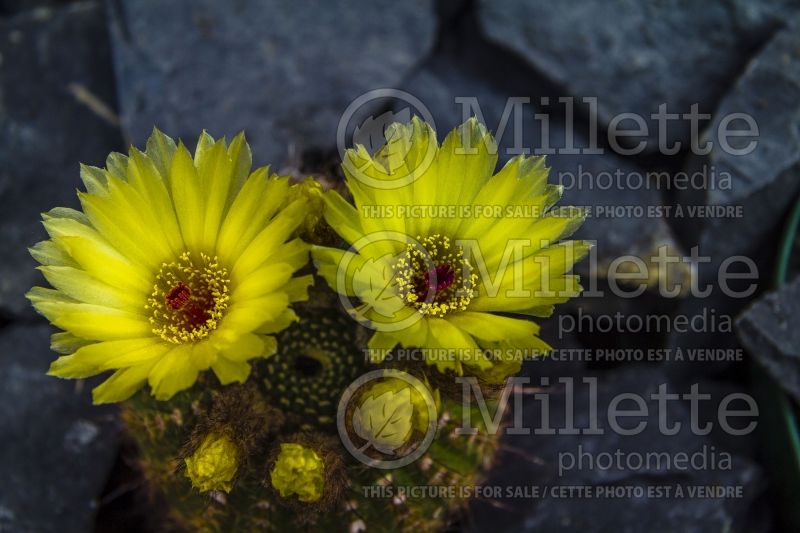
[298, 470]
[485, 252]
[214, 464]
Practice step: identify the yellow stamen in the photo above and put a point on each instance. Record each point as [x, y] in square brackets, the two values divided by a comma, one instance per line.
[434, 277]
[189, 299]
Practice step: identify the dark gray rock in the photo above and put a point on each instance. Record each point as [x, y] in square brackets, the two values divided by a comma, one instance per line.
[55, 80]
[764, 181]
[708, 331]
[709, 324]
[769, 329]
[282, 72]
[643, 515]
[12, 7]
[632, 55]
[57, 448]
[535, 461]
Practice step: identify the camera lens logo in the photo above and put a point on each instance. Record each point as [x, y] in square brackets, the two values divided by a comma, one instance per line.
[360, 126]
[365, 281]
[387, 419]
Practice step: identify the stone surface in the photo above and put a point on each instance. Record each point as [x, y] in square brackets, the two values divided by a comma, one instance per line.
[632, 55]
[55, 72]
[57, 448]
[535, 460]
[12, 7]
[282, 72]
[708, 331]
[769, 329]
[765, 180]
[709, 323]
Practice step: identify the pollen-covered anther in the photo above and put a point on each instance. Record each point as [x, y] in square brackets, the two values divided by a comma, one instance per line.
[434, 277]
[189, 298]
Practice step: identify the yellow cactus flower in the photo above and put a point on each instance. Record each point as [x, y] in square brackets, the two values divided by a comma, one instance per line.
[214, 464]
[300, 471]
[176, 264]
[440, 245]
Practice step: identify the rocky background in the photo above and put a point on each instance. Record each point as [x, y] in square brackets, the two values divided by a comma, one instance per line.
[79, 79]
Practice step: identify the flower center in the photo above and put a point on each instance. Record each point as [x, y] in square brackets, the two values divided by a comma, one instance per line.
[188, 299]
[434, 277]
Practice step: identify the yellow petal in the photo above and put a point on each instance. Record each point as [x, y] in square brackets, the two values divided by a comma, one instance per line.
[297, 288]
[342, 217]
[104, 263]
[216, 171]
[265, 280]
[94, 179]
[465, 350]
[117, 165]
[281, 322]
[203, 355]
[380, 343]
[293, 253]
[160, 150]
[228, 371]
[350, 273]
[79, 285]
[122, 384]
[123, 218]
[204, 143]
[49, 253]
[65, 343]
[246, 347]
[491, 327]
[465, 162]
[519, 182]
[173, 373]
[249, 315]
[145, 177]
[538, 302]
[98, 357]
[93, 321]
[239, 153]
[256, 203]
[270, 238]
[188, 199]
[68, 222]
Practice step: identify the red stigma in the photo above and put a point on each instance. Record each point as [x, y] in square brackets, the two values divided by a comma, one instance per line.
[178, 296]
[196, 314]
[442, 278]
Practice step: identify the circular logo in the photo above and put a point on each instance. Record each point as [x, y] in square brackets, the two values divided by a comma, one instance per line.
[379, 416]
[368, 271]
[362, 127]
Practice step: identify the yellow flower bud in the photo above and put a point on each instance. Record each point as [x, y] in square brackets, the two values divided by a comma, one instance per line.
[419, 402]
[298, 470]
[214, 464]
[310, 190]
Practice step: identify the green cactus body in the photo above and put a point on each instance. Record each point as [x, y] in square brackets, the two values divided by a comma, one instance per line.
[293, 397]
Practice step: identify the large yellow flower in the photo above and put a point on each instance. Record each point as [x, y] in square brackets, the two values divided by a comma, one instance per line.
[440, 245]
[177, 264]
